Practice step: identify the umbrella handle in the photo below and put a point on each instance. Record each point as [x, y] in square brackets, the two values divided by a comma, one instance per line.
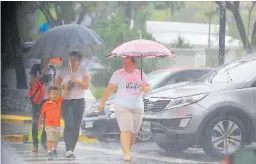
[70, 66]
[141, 68]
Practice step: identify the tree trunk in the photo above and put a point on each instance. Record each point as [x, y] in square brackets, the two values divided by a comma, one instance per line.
[241, 29]
[12, 42]
[81, 17]
[253, 40]
[67, 12]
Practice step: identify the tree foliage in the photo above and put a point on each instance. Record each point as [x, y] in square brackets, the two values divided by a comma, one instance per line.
[248, 42]
[116, 31]
[180, 42]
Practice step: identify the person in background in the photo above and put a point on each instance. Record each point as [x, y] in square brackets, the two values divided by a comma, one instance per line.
[129, 106]
[73, 105]
[41, 77]
[51, 110]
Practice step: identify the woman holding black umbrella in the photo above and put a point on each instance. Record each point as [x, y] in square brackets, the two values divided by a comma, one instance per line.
[129, 107]
[73, 105]
[58, 42]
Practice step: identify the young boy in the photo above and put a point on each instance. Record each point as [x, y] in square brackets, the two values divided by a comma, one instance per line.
[51, 110]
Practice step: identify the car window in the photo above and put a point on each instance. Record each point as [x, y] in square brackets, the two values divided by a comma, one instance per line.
[25, 50]
[185, 76]
[175, 78]
[253, 84]
[155, 78]
[235, 72]
[195, 74]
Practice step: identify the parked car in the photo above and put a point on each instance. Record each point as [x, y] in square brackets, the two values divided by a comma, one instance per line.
[216, 112]
[105, 127]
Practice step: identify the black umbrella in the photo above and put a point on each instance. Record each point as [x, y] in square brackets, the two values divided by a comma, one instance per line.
[61, 40]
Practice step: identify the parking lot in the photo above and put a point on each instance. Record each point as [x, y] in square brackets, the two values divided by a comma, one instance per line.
[107, 153]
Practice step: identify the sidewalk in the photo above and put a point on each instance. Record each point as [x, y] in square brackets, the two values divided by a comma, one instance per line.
[16, 128]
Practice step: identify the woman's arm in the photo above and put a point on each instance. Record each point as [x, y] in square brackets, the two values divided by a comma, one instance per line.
[58, 82]
[84, 84]
[40, 120]
[110, 88]
[145, 88]
[65, 90]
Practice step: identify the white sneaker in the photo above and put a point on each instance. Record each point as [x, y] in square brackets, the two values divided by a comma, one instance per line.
[73, 155]
[69, 154]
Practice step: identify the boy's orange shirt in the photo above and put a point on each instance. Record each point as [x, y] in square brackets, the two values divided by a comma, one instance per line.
[52, 111]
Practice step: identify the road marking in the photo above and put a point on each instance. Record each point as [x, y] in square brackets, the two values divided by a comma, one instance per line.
[89, 156]
[45, 155]
[151, 157]
[72, 162]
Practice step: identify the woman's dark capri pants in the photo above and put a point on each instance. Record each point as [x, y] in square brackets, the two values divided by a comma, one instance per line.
[72, 111]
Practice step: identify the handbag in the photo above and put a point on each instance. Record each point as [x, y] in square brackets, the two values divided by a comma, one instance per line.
[36, 93]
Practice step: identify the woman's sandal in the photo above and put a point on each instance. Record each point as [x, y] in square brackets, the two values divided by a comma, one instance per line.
[129, 158]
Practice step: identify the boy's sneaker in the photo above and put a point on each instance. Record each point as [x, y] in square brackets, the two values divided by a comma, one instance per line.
[69, 154]
[54, 153]
[35, 149]
[50, 156]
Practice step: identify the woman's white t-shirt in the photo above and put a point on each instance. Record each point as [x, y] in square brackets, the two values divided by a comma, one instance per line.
[66, 75]
[128, 88]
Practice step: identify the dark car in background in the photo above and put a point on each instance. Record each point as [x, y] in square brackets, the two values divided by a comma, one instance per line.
[216, 112]
[105, 127]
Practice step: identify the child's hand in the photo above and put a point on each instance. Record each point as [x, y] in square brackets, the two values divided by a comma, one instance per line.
[39, 126]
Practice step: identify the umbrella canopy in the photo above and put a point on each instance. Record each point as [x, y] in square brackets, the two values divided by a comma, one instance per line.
[61, 40]
[141, 48]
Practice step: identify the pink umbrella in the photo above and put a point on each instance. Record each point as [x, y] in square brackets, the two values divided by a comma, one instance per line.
[141, 48]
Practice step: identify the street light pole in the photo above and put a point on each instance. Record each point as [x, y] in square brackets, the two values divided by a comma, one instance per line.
[222, 34]
[209, 32]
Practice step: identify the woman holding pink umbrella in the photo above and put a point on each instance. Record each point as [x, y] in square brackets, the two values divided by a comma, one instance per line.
[131, 84]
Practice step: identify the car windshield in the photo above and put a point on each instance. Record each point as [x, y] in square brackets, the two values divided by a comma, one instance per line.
[155, 78]
[233, 72]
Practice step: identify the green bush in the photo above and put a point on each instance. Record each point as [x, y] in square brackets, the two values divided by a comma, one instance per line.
[30, 137]
[98, 92]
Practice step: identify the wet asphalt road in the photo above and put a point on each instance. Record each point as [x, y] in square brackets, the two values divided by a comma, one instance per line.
[111, 153]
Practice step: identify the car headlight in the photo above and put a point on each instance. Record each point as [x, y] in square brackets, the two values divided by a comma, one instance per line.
[112, 108]
[182, 101]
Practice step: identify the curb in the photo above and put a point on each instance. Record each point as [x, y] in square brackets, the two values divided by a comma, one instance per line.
[12, 138]
[15, 119]
[16, 137]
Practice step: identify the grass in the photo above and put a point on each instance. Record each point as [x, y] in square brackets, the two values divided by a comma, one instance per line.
[98, 92]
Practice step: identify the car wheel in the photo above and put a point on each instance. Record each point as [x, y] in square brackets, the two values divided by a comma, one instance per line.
[144, 137]
[223, 135]
[108, 138]
[172, 147]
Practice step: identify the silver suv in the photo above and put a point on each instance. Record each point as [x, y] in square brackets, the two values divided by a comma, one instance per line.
[216, 112]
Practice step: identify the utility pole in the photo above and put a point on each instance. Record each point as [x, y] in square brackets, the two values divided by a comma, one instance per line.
[222, 30]
[209, 15]
[209, 33]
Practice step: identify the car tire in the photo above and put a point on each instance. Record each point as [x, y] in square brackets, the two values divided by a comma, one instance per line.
[108, 138]
[212, 128]
[172, 147]
[144, 138]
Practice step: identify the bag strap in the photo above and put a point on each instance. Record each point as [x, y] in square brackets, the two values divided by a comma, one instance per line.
[34, 94]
